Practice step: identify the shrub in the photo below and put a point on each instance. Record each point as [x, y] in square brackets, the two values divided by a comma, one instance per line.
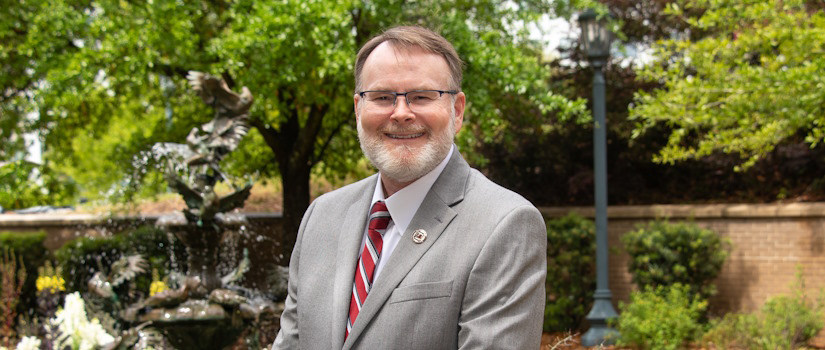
[784, 322]
[81, 257]
[28, 246]
[663, 254]
[571, 280]
[663, 317]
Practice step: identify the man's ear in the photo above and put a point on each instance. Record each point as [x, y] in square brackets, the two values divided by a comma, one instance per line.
[459, 106]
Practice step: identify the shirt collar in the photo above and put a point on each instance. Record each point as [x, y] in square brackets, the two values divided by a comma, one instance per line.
[404, 204]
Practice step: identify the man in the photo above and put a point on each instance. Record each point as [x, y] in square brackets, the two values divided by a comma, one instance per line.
[428, 253]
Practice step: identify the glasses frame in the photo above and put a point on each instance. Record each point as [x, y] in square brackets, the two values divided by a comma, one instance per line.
[396, 94]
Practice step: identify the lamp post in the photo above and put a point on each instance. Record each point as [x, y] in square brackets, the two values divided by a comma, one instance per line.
[596, 42]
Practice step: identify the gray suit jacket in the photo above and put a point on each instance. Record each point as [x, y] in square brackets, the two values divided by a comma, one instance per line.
[476, 282]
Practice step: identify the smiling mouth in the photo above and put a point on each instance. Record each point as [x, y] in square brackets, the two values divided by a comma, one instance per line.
[407, 136]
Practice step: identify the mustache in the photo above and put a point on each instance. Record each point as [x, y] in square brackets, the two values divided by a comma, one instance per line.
[413, 129]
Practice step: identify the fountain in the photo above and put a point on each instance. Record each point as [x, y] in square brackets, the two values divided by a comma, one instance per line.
[207, 311]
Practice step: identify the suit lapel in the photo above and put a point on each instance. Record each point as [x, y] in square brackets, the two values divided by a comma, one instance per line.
[349, 245]
[433, 216]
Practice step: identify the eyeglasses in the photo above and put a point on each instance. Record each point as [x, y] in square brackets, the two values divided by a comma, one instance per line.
[417, 100]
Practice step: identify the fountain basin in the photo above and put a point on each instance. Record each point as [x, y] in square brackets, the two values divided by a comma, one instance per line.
[196, 324]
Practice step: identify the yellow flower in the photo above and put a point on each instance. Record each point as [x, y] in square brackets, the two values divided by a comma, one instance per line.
[51, 283]
[157, 287]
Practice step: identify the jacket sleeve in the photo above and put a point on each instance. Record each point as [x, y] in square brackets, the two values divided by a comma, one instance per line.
[288, 334]
[503, 306]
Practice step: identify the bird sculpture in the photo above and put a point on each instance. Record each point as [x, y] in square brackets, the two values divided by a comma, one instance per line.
[213, 140]
[124, 269]
[205, 147]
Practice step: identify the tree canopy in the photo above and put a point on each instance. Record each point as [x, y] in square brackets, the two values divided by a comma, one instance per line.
[751, 81]
[101, 81]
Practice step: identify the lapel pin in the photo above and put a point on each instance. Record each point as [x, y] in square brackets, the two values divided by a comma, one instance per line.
[419, 236]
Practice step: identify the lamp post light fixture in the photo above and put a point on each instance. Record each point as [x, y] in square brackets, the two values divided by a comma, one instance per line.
[595, 38]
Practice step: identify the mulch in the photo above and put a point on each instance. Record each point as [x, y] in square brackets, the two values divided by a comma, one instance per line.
[563, 341]
[572, 341]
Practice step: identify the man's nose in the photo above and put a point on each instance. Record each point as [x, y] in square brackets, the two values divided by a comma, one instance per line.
[401, 111]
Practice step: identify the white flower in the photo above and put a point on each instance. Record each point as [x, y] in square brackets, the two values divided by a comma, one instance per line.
[28, 343]
[76, 331]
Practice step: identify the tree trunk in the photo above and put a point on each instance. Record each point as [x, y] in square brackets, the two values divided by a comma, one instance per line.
[294, 147]
[295, 181]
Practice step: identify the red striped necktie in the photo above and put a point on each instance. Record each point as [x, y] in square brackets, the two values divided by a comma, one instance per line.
[370, 254]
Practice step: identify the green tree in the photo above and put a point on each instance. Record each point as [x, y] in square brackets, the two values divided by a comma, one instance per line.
[24, 184]
[103, 75]
[754, 81]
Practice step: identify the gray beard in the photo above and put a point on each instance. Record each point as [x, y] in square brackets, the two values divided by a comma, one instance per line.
[412, 163]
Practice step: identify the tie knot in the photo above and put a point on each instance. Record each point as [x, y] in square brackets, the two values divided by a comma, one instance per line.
[378, 207]
[379, 217]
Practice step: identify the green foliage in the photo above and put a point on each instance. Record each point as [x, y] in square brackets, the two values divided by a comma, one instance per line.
[28, 246]
[662, 254]
[663, 317]
[24, 184]
[784, 322]
[546, 149]
[107, 72]
[751, 83]
[571, 279]
[84, 256]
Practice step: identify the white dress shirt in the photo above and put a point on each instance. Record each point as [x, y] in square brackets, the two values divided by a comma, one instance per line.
[402, 206]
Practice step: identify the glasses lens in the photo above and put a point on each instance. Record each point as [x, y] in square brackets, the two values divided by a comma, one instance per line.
[422, 98]
[379, 98]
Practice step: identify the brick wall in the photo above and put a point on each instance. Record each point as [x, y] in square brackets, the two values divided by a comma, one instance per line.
[769, 243]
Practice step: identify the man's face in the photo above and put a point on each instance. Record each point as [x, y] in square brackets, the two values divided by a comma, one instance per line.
[405, 145]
